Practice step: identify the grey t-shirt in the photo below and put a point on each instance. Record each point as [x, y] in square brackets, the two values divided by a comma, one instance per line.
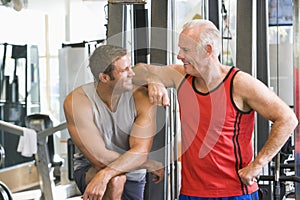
[115, 127]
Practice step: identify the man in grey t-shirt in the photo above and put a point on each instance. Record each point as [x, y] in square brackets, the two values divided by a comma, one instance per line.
[113, 125]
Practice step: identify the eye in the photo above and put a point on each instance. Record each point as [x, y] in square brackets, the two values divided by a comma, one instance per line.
[125, 69]
[185, 49]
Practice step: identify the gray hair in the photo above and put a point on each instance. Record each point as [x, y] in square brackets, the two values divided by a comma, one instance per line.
[103, 58]
[210, 36]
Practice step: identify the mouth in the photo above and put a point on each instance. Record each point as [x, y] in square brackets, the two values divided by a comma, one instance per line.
[186, 63]
[128, 82]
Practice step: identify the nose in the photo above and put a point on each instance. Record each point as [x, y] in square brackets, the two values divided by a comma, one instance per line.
[131, 72]
[179, 55]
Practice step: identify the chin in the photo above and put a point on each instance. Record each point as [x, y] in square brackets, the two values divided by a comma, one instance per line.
[186, 71]
[128, 86]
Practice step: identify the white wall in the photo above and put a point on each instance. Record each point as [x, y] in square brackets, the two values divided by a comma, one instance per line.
[48, 24]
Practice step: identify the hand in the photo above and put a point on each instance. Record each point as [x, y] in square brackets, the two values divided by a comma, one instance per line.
[248, 174]
[158, 175]
[157, 170]
[158, 94]
[96, 188]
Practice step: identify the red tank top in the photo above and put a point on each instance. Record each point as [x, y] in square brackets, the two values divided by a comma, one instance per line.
[216, 140]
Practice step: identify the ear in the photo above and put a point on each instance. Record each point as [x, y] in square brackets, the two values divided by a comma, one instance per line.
[104, 77]
[209, 49]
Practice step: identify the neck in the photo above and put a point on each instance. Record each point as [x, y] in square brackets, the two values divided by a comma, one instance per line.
[109, 95]
[211, 77]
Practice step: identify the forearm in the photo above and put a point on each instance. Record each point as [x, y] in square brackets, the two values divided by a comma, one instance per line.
[152, 165]
[96, 152]
[129, 161]
[143, 75]
[104, 161]
[279, 134]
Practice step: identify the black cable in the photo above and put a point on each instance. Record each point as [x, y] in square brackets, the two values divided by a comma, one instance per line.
[224, 29]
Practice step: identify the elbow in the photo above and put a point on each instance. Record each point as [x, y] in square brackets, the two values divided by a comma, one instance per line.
[292, 121]
[100, 164]
[295, 122]
[103, 161]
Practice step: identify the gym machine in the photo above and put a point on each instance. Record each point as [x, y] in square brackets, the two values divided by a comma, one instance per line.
[280, 178]
[19, 86]
[49, 190]
[128, 26]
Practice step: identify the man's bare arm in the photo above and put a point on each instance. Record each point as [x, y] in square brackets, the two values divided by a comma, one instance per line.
[83, 131]
[258, 97]
[158, 78]
[167, 75]
[141, 138]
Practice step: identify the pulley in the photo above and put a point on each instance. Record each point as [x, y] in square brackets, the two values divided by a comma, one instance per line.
[2, 154]
[5, 193]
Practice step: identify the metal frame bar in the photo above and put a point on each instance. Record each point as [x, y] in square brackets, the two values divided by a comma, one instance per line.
[42, 157]
[296, 61]
[244, 40]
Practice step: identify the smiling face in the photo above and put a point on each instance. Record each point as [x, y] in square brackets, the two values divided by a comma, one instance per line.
[193, 56]
[122, 73]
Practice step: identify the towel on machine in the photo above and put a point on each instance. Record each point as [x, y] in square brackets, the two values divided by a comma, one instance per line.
[28, 143]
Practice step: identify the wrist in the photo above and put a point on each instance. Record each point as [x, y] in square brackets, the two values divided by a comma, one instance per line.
[154, 80]
[104, 175]
[153, 165]
[258, 163]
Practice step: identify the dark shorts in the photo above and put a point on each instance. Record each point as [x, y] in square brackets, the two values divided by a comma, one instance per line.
[133, 190]
[253, 196]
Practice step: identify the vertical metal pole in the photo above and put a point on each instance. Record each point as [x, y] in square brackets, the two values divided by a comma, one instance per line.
[115, 24]
[244, 32]
[214, 11]
[175, 149]
[159, 55]
[141, 35]
[2, 70]
[174, 106]
[159, 20]
[276, 193]
[296, 43]
[172, 145]
[42, 159]
[167, 155]
[67, 20]
[26, 110]
[262, 68]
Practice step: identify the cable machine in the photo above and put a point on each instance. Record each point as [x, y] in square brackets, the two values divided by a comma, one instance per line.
[296, 62]
[19, 84]
[281, 175]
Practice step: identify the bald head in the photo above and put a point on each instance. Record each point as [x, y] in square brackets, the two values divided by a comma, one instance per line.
[206, 34]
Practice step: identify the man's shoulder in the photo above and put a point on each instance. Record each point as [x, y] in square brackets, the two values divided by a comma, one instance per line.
[140, 95]
[77, 92]
[140, 92]
[242, 77]
[76, 95]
